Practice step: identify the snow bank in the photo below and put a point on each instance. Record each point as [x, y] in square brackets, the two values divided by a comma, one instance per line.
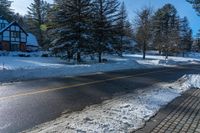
[121, 114]
[21, 68]
[13, 68]
[18, 54]
[191, 81]
[194, 55]
[161, 61]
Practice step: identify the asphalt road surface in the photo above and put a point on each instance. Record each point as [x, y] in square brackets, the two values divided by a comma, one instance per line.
[26, 104]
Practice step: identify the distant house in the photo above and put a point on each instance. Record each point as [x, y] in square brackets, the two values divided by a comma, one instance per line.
[12, 36]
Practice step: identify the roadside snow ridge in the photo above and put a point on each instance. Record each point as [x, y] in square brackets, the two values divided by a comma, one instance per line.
[123, 113]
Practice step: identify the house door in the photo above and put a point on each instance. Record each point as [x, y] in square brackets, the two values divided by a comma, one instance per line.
[15, 46]
[1, 47]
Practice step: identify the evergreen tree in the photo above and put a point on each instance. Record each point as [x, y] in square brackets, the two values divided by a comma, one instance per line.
[196, 44]
[5, 10]
[170, 29]
[143, 29]
[123, 31]
[104, 24]
[157, 23]
[196, 5]
[37, 18]
[72, 23]
[20, 20]
[185, 35]
[166, 28]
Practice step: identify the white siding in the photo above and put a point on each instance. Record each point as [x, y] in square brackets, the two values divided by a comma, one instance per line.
[6, 33]
[13, 28]
[23, 37]
[32, 40]
[17, 28]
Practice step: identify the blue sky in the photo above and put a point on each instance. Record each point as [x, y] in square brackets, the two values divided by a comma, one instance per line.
[184, 8]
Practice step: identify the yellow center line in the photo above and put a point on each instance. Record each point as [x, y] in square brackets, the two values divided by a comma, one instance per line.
[78, 85]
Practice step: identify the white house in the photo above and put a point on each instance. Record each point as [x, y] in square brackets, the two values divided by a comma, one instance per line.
[32, 43]
[14, 38]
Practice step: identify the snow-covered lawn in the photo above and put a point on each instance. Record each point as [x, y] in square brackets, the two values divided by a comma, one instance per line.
[16, 63]
[14, 68]
[123, 113]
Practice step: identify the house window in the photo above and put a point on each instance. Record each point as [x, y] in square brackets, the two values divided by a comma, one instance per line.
[3, 25]
[14, 34]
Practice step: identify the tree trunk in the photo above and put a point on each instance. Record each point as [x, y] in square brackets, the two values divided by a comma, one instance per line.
[144, 55]
[78, 56]
[121, 47]
[183, 54]
[68, 56]
[160, 51]
[166, 54]
[144, 51]
[100, 60]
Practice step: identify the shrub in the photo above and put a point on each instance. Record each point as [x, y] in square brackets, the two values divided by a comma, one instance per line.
[45, 55]
[23, 55]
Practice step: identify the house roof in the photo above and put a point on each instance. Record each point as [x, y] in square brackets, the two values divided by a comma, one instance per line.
[1, 17]
[13, 23]
[32, 40]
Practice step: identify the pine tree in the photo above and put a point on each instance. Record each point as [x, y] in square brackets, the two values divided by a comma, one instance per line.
[37, 18]
[166, 29]
[143, 29]
[104, 24]
[72, 22]
[20, 20]
[170, 28]
[196, 5]
[196, 44]
[5, 9]
[157, 23]
[185, 35]
[123, 31]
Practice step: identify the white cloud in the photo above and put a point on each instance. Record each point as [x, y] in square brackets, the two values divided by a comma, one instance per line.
[20, 6]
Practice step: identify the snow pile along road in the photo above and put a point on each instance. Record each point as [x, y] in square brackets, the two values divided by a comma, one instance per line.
[121, 114]
[27, 68]
[191, 81]
[18, 68]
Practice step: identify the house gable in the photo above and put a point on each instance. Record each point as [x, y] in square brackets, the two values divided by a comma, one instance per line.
[14, 37]
[14, 26]
[13, 33]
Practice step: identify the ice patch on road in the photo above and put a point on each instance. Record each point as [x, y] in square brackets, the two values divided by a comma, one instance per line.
[123, 113]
